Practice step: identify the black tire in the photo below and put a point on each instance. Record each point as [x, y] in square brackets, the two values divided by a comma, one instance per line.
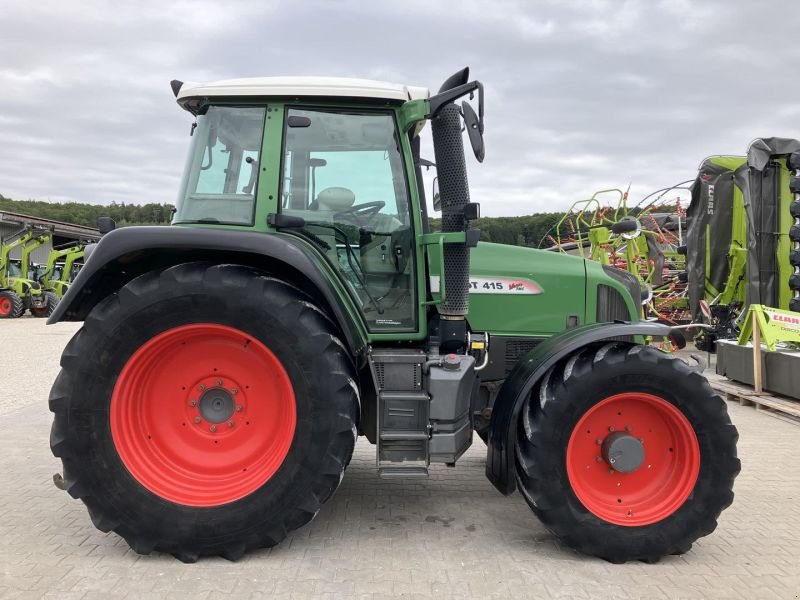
[483, 434]
[554, 409]
[271, 311]
[47, 308]
[16, 308]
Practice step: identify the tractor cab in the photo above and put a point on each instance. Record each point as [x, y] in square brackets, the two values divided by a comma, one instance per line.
[342, 182]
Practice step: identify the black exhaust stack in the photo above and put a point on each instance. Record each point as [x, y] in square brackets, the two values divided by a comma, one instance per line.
[448, 146]
[451, 169]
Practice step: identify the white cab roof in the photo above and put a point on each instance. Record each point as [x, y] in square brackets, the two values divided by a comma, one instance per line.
[302, 86]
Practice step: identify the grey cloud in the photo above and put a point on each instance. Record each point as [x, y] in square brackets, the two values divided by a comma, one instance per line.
[580, 96]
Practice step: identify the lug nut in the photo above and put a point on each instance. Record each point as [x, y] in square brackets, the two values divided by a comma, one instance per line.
[239, 408]
[610, 428]
[627, 428]
[213, 428]
[612, 460]
[192, 402]
[201, 387]
[230, 423]
[599, 459]
[197, 419]
[599, 442]
[219, 381]
[234, 391]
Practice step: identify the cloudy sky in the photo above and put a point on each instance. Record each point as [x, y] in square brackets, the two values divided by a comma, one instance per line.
[580, 95]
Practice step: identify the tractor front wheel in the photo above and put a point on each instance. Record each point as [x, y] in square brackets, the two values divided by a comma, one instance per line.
[626, 453]
[204, 410]
[11, 306]
[49, 303]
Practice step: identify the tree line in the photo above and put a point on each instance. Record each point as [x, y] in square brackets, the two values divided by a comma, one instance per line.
[527, 230]
[87, 214]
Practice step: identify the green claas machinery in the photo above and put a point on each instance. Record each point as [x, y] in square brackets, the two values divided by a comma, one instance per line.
[211, 402]
[56, 275]
[743, 236]
[19, 293]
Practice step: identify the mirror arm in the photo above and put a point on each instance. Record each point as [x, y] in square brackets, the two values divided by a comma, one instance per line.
[439, 100]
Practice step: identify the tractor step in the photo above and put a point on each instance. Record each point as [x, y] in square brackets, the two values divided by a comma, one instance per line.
[399, 472]
[403, 435]
[403, 414]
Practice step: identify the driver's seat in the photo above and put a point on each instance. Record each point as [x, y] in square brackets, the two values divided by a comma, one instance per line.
[335, 199]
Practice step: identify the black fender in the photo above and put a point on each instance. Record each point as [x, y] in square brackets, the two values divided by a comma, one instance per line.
[126, 253]
[530, 369]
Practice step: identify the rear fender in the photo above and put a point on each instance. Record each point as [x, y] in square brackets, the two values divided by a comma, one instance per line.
[126, 253]
[527, 373]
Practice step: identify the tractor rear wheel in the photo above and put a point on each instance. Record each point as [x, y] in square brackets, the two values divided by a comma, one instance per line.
[204, 410]
[48, 306]
[11, 306]
[626, 453]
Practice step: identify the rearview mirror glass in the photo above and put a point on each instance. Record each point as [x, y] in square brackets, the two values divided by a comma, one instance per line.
[474, 130]
[105, 225]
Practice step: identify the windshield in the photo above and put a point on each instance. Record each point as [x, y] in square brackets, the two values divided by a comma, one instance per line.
[343, 173]
[219, 182]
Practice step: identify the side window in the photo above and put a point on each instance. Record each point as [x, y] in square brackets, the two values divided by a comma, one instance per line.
[219, 184]
[344, 175]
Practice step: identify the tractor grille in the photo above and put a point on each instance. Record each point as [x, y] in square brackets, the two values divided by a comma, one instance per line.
[611, 305]
[516, 349]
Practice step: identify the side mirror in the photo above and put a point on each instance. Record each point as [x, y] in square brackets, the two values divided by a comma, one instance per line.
[437, 199]
[474, 130]
[105, 225]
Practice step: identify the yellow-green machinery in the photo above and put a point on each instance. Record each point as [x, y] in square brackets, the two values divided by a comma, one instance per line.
[643, 239]
[18, 293]
[56, 275]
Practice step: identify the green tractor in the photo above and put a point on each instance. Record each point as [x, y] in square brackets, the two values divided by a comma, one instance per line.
[18, 292]
[56, 275]
[211, 402]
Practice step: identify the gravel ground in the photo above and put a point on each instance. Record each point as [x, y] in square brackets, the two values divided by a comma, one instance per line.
[451, 536]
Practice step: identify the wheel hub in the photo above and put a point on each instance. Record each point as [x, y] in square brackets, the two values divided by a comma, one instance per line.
[216, 405]
[623, 452]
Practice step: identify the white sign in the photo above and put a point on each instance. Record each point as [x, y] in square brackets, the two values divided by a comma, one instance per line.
[513, 286]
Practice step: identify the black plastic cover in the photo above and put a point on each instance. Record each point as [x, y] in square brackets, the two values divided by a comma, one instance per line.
[711, 210]
[761, 186]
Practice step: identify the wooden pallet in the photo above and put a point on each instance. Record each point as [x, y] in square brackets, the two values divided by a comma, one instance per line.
[780, 407]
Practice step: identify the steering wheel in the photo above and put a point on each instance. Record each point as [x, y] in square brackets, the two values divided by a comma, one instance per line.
[360, 213]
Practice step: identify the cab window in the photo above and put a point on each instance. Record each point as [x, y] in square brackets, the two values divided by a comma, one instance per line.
[219, 184]
[344, 175]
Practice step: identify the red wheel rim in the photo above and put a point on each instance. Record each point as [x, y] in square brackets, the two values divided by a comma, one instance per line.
[5, 306]
[663, 481]
[203, 414]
